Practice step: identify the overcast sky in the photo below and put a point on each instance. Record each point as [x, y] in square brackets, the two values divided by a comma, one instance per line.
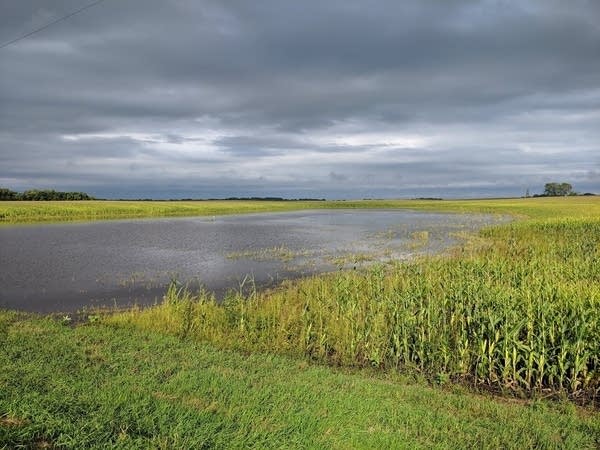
[336, 99]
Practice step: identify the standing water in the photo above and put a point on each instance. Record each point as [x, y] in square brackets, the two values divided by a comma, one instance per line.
[68, 266]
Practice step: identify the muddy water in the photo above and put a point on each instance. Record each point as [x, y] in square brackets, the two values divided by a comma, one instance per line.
[67, 267]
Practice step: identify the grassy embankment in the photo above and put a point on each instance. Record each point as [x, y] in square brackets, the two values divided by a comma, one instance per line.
[516, 311]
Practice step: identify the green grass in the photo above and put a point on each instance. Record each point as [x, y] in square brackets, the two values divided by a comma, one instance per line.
[101, 386]
[52, 211]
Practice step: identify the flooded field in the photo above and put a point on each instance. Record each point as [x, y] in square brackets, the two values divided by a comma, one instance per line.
[66, 267]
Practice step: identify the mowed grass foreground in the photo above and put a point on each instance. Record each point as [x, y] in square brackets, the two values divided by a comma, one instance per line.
[103, 386]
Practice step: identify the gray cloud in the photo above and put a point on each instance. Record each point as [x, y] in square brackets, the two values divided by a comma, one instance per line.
[183, 98]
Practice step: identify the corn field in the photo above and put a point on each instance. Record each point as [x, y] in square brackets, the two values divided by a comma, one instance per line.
[516, 309]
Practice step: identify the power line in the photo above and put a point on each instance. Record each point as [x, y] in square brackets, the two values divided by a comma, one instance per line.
[71, 14]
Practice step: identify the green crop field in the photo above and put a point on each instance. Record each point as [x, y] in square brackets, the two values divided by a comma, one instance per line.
[495, 344]
[515, 310]
[53, 211]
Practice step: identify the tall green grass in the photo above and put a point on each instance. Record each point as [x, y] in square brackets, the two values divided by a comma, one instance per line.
[516, 309]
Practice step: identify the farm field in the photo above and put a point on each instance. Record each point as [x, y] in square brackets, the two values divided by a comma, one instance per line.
[172, 275]
[55, 211]
[514, 309]
[496, 343]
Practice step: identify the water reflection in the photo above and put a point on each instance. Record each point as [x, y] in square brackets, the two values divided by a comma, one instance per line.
[64, 267]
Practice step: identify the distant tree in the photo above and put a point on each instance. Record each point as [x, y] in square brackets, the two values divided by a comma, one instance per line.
[558, 189]
[34, 194]
[7, 194]
[47, 194]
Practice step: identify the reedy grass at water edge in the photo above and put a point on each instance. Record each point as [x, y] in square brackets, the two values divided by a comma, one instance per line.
[518, 311]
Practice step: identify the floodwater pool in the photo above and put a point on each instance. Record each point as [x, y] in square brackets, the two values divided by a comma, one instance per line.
[68, 266]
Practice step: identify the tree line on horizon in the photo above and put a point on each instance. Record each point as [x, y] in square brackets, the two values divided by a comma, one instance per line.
[42, 194]
[550, 190]
[559, 190]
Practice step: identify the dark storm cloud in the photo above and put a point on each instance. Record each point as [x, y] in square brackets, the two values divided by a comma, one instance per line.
[337, 98]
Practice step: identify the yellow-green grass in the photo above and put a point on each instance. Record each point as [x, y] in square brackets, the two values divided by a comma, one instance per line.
[101, 386]
[49, 211]
[516, 309]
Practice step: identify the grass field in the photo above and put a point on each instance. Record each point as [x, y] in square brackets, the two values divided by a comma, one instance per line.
[53, 211]
[392, 357]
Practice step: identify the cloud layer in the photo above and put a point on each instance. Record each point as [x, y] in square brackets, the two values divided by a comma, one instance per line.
[337, 99]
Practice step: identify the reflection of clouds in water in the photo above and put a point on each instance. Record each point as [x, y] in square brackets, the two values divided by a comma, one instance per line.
[399, 242]
[118, 261]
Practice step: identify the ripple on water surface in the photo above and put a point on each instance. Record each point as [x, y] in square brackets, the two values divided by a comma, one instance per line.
[65, 267]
